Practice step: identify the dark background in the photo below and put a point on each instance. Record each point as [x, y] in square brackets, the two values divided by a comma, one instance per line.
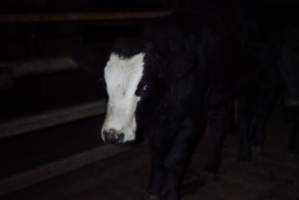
[27, 96]
[37, 6]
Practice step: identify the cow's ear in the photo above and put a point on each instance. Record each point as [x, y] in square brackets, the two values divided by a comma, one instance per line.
[148, 46]
[152, 59]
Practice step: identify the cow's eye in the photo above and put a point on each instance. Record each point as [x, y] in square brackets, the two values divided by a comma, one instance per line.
[143, 90]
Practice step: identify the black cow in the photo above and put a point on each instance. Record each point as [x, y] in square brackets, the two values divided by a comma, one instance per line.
[270, 44]
[290, 74]
[175, 82]
[179, 80]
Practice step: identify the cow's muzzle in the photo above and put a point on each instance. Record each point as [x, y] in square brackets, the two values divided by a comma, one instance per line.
[113, 136]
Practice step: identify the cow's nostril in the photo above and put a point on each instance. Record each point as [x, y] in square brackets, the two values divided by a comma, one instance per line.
[112, 131]
[109, 132]
[113, 136]
[105, 134]
[121, 137]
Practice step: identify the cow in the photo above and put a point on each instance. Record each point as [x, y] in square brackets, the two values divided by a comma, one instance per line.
[179, 81]
[257, 102]
[290, 75]
[174, 83]
[277, 86]
[270, 46]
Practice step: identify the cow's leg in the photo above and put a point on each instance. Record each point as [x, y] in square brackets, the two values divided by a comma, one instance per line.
[292, 140]
[177, 160]
[252, 131]
[254, 117]
[294, 134]
[160, 141]
[259, 129]
[245, 127]
[219, 114]
[217, 126]
[158, 150]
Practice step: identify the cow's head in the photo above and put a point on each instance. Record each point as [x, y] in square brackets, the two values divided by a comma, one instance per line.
[137, 76]
[125, 86]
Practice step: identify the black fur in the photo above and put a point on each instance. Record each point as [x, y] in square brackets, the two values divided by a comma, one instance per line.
[270, 44]
[190, 74]
[196, 67]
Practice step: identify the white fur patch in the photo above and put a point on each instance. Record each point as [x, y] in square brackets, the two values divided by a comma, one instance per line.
[122, 76]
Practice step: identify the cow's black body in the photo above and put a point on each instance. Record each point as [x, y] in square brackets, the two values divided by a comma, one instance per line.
[193, 73]
[271, 46]
[196, 67]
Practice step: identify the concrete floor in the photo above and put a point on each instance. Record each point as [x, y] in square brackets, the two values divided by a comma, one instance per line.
[273, 176]
[124, 177]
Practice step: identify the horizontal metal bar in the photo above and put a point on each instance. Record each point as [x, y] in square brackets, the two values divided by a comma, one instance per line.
[38, 66]
[82, 16]
[56, 168]
[41, 66]
[51, 118]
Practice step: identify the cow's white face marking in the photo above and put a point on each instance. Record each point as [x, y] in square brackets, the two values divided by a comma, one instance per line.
[122, 76]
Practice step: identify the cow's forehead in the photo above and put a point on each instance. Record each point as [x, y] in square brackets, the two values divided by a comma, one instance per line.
[122, 74]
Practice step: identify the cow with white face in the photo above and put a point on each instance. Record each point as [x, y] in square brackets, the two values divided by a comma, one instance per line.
[126, 87]
[163, 85]
[122, 77]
